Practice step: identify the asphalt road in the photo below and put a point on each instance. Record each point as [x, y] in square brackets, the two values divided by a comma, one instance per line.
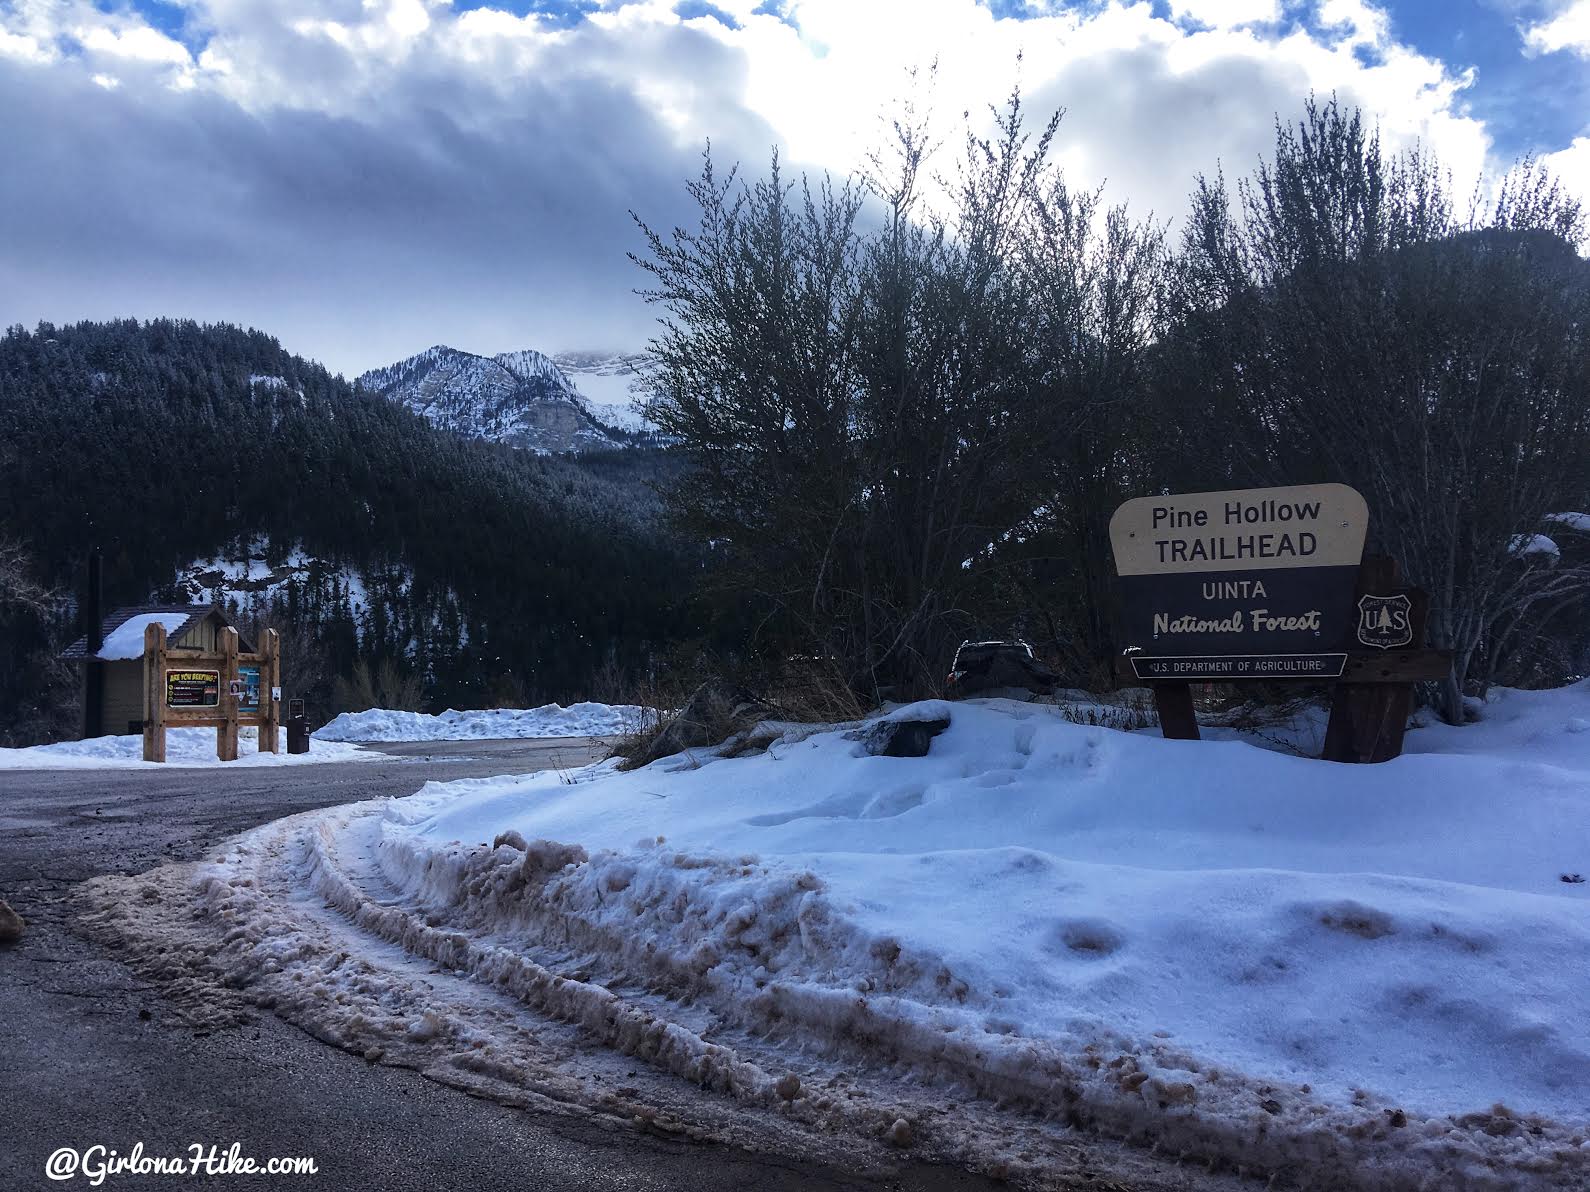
[91, 1055]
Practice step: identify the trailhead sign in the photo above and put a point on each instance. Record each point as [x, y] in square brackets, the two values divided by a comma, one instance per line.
[1248, 584]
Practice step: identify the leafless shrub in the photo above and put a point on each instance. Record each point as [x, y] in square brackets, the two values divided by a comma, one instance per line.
[813, 690]
[637, 741]
[873, 407]
[383, 687]
[18, 587]
[1341, 320]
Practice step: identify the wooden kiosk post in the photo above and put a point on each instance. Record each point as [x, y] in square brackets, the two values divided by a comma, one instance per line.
[155, 693]
[270, 679]
[226, 731]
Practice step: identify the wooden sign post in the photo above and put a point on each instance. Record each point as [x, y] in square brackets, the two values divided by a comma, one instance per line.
[227, 689]
[1270, 585]
[1370, 707]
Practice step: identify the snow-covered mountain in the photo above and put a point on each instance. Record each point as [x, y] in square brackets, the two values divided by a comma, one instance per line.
[523, 399]
[607, 382]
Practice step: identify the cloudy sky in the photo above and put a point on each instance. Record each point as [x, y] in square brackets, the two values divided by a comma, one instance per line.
[364, 178]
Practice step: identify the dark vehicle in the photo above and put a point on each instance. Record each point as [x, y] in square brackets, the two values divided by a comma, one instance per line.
[998, 668]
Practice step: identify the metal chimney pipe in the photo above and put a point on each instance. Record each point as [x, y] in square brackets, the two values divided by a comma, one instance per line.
[94, 635]
[93, 604]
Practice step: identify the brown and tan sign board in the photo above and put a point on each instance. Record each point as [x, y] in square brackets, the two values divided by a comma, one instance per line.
[226, 689]
[1270, 584]
[1240, 584]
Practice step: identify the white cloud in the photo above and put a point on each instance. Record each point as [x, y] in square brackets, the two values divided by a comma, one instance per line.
[1225, 14]
[138, 43]
[436, 169]
[1365, 23]
[22, 47]
[389, 31]
[26, 31]
[1571, 167]
[1569, 29]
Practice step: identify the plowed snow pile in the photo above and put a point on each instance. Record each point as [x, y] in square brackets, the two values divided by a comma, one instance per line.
[185, 747]
[549, 720]
[1381, 973]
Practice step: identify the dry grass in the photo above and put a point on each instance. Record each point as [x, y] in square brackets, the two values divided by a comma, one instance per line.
[636, 741]
[811, 690]
[799, 690]
[1128, 710]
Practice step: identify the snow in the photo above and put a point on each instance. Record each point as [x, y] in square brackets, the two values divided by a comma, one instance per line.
[127, 639]
[1344, 941]
[607, 382]
[1574, 521]
[185, 747]
[549, 720]
[241, 572]
[528, 364]
[1534, 544]
[246, 570]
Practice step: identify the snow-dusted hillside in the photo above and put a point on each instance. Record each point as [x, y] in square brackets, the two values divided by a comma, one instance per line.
[520, 398]
[373, 597]
[242, 576]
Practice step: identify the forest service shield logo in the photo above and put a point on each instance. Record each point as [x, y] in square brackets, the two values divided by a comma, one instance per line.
[1385, 622]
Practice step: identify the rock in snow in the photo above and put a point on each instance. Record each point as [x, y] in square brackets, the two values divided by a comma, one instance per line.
[899, 1134]
[902, 736]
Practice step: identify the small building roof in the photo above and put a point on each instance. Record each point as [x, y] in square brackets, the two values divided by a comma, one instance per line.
[123, 630]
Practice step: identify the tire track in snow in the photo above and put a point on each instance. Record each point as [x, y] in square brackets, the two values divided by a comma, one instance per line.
[285, 920]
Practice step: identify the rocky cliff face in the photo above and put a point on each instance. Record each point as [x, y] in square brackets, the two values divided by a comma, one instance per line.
[522, 399]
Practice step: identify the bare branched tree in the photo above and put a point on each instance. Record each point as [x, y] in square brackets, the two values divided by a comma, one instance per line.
[912, 401]
[873, 403]
[1340, 322]
[18, 587]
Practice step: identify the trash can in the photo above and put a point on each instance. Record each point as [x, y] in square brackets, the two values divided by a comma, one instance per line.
[297, 727]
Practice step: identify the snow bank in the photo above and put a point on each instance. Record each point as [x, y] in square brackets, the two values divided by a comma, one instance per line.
[1574, 521]
[549, 720]
[1375, 971]
[1534, 544]
[184, 747]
